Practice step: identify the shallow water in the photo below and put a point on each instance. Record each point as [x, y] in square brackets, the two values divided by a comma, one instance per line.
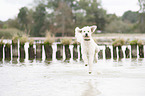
[124, 77]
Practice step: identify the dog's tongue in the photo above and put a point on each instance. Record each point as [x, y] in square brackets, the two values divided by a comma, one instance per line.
[86, 38]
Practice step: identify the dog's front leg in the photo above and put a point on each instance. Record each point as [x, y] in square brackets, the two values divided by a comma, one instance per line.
[91, 58]
[84, 56]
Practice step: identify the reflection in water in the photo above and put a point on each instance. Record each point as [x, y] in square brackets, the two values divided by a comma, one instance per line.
[14, 60]
[47, 62]
[91, 89]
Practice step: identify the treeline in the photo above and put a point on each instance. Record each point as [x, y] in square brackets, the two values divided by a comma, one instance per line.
[60, 17]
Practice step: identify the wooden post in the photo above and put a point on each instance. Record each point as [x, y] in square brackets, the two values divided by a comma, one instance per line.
[141, 51]
[127, 53]
[80, 53]
[59, 52]
[75, 51]
[22, 40]
[100, 54]
[38, 51]
[134, 51]
[48, 51]
[8, 51]
[120, 52]
[114, 52]
[67, 52]
[15, 49]
[108, 53]
[1, 51]
[22, 52]
[31, 52]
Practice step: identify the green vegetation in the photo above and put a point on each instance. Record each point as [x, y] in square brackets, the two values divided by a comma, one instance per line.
[118, 42]
[133, 42]
[66, 41]
[130, 16]
[31, 41]
[40, 21]
[9, 33]
[7, 45]
[140, 42]
[49, 40]
[118, 26]
[15, 39]
[75, 42]
[136, 42]
[1, 42]
[141, 20]
[23, 20]
[23, 39]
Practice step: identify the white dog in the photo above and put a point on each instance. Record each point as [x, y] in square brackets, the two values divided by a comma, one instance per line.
[88, 47]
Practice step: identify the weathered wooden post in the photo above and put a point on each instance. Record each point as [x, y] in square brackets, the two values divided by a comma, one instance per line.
[67, 52]
[141, 48]
[22, 51]
[75, 51]
[59, 52]
[1, 49]
[134, 51]
[23, 40]
[15, 47]
[118, 43]
[133, 44]
[48, 47]
[7, 51]
[39, 51]
[31, 50]
[120, 52]
[100, 54]
[66, 42]
[114, 52]
[141, 51]
[48, 51]
[108, 53]
[127, 52]
[80, 53]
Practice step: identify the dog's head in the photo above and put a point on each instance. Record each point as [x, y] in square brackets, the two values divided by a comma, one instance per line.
[86, 31]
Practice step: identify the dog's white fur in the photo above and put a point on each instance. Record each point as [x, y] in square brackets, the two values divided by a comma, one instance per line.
[88, 48]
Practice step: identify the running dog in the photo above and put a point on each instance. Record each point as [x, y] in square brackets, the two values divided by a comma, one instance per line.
[89, 48]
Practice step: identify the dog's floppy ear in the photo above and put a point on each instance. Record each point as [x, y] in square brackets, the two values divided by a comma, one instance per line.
[93, 28]
[78, 30]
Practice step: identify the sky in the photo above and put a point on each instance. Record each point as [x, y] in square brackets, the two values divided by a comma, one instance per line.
[10, 8]
[120, 6]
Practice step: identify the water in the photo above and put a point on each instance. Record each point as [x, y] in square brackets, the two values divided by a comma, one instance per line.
[124, 77]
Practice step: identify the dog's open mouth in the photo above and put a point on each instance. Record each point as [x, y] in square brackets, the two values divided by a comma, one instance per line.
[86, 38]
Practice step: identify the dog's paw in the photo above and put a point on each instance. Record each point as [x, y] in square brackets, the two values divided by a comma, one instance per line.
[95, 61]
[86, 64]
[90, 72]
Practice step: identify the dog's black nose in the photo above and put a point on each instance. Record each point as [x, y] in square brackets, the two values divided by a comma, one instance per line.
[86, 35]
